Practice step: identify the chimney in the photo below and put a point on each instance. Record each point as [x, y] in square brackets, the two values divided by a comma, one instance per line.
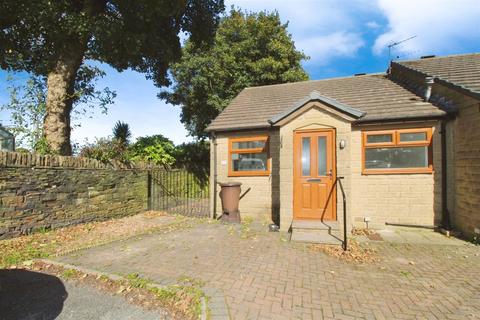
[428, 89]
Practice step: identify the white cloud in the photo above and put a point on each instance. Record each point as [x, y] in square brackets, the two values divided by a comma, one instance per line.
[440, 26]
[372, 25]
[322, 49]
[322, 29]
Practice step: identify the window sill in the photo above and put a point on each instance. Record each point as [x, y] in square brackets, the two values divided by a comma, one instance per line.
[249, 174]
[367, 172]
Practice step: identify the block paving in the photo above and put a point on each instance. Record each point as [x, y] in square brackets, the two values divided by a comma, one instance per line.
[264, 276]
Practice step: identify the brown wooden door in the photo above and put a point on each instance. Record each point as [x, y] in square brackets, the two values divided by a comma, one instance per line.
[314, 196]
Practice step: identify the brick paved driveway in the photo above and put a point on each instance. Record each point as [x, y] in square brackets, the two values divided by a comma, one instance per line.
[266, 277]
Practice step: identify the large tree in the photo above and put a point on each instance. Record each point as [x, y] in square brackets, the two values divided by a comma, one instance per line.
[250, 49]
[28, 98]
[54, 38]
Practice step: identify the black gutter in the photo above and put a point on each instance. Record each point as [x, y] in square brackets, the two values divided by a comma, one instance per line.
[399, 119]
[446, 224]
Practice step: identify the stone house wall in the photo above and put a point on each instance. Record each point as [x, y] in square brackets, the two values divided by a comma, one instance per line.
[258, 201]
[52, 191]
[395, 198]
[463, 148]
[465, 163]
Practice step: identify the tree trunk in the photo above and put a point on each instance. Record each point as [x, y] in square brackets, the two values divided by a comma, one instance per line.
[60, 86]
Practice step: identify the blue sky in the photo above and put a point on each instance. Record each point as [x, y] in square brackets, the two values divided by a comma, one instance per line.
[341, 37]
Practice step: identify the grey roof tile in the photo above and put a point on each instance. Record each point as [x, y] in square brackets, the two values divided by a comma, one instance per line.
[460, 70]
[375, 95]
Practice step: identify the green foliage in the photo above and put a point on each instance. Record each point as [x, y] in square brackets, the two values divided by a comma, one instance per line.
[121, 132]
[195, 158]
[136, 281]
[69, 274]
[105, 150]
[140, 35]
[54, 38]
[27, 106]
[10, 258]
[155, 149]
[250, 49]
[42, 147]
[27, 110]
[86, 97]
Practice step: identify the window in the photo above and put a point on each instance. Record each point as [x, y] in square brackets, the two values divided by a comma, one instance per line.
[248, 156]
[397, 151]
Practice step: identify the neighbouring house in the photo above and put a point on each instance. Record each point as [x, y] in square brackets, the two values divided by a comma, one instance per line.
[406, 144]
[7, 140]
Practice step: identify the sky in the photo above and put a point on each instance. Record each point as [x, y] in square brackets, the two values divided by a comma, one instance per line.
[341, 37]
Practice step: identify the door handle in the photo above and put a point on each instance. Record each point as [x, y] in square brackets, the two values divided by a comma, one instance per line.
[313, 180]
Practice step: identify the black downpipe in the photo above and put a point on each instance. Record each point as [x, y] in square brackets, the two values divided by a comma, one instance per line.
[214, 141]
[445, 214]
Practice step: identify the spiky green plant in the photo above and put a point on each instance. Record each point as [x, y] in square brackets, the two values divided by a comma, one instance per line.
[122, 133]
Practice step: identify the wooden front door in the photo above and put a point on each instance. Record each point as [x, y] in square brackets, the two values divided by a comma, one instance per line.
[314, 195]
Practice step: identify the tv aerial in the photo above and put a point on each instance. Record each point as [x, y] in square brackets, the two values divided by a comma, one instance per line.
[394, 44]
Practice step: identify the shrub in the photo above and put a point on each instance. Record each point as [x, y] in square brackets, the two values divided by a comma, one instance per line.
[155, 149]
[105, 150]
[195, 158]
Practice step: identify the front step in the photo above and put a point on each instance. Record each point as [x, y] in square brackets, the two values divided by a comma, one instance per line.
[315, 231]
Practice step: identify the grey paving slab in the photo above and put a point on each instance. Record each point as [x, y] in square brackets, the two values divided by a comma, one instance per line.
[417, 236]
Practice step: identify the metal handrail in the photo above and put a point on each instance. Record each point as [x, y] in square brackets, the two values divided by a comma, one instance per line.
[339, 180]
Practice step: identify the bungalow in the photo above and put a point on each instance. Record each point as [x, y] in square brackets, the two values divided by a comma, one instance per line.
[404, 145]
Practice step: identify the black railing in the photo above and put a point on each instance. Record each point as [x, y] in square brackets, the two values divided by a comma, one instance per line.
[344, 197]
[178, 192]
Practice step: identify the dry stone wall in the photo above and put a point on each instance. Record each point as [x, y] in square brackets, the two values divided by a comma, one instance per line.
[54, 191]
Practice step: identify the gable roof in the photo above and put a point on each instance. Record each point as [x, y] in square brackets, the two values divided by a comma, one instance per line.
[315, 96]
[377, 97]
[461, 71]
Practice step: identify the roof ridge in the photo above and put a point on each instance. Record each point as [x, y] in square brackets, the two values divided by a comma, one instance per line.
[317, 80]
[439, 57]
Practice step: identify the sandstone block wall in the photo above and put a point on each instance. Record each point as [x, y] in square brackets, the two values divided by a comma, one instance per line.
[54, 191]
[258, 201]
[396, 198]
[465, 215]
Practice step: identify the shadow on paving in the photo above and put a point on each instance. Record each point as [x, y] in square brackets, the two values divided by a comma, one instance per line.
[30, 295]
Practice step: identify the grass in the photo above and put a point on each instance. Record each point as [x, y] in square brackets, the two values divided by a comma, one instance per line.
[185, 296]
[405, 273]
[69, 274]
[136, 281]
[245, 230]
[14, 255]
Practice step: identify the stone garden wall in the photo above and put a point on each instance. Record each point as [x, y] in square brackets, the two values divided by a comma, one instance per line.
[53, 191]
